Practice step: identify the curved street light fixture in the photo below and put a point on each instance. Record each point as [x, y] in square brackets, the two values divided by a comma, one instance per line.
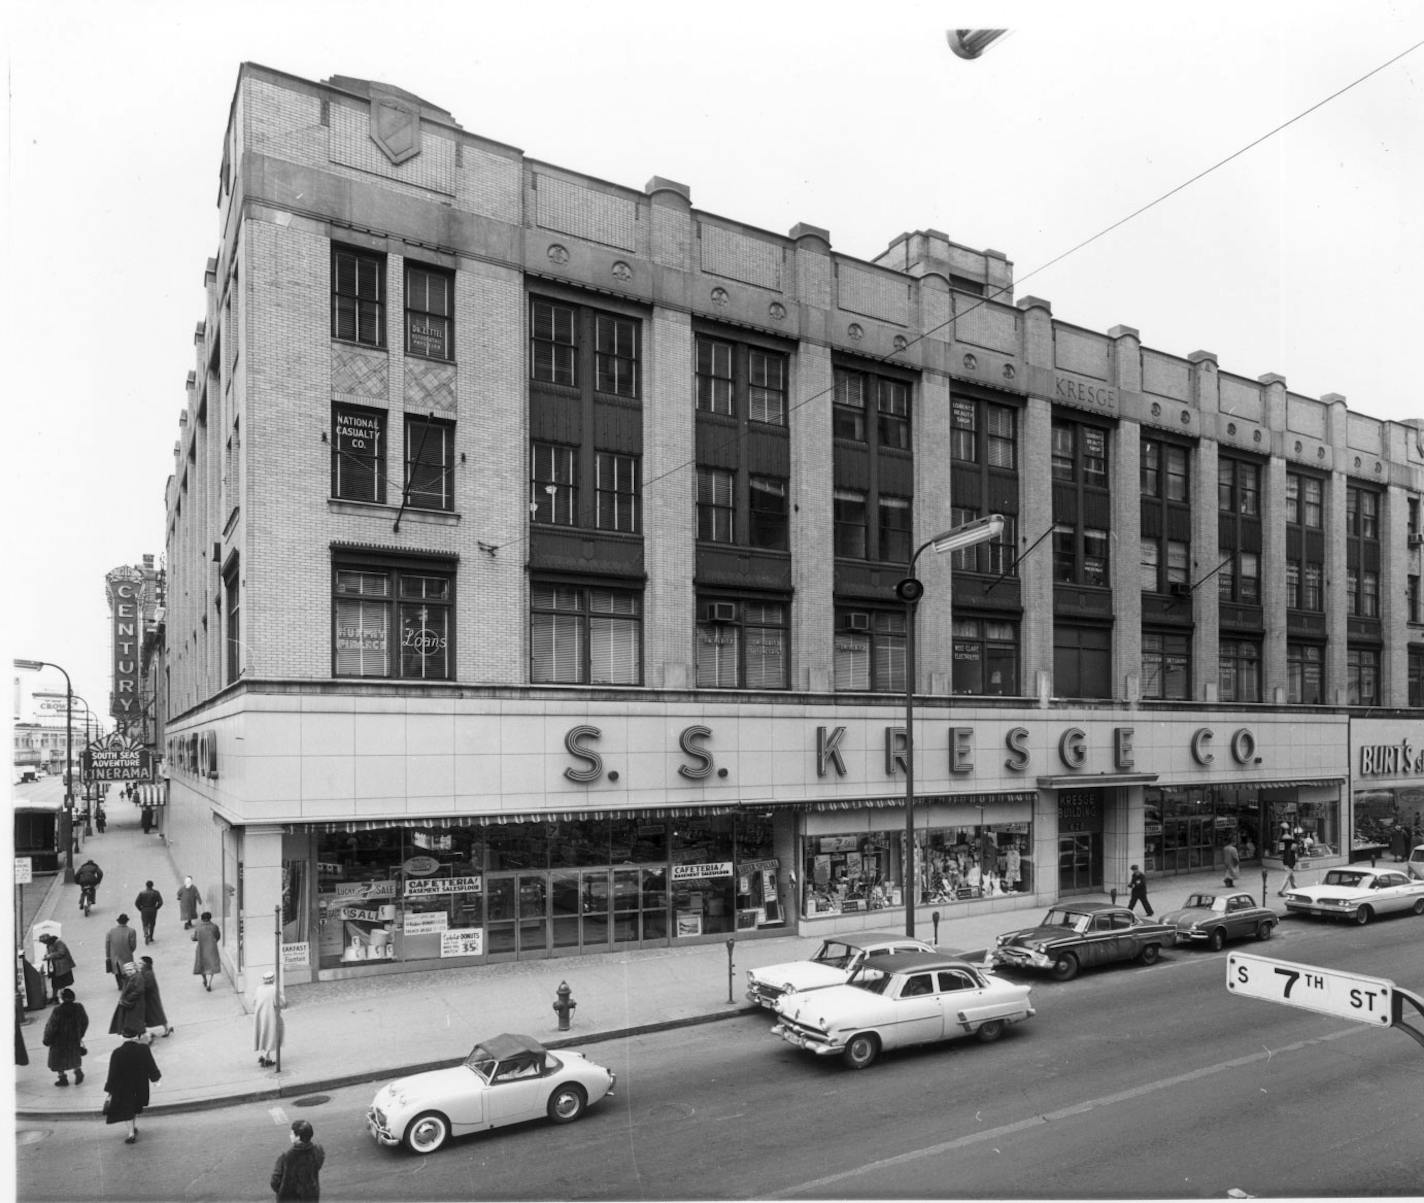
[66, 821]
[909, 591]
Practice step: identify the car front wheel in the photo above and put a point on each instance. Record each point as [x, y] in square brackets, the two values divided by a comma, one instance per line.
[1263, 929]
[1065, 968]
[1149, 955]
[1364, 915]
[1419, 906]
[427, 1132]
[1217, 940]
[567, 1103]
[861, 1050]
[991, 1031]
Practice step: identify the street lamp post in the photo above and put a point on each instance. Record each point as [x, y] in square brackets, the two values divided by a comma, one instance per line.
[66, 821]
[909, 591]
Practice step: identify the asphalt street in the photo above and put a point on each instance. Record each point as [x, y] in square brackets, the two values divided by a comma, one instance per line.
[1131, 1082]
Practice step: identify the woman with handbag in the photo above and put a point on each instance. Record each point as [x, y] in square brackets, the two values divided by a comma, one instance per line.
[64, 1037]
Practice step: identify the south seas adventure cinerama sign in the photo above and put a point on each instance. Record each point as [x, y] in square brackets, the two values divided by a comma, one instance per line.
[117, 757]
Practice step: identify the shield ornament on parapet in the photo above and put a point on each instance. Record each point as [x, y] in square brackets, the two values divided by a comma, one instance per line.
[395, 128]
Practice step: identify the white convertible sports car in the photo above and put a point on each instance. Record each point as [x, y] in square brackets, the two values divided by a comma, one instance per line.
[505, 1080]
[899, 999]
[833, 963]
[1358, 894]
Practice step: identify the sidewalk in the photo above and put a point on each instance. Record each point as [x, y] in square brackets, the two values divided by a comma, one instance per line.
[370, 1029]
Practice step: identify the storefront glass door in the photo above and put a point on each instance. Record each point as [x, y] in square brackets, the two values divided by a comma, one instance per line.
[518, 914]
[1080, 862]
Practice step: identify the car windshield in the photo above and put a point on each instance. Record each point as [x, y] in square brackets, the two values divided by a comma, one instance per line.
[1202, 900]
[1073, 919]
[1343, 877]
[482, 1063]
[835, 952]
[871, 980]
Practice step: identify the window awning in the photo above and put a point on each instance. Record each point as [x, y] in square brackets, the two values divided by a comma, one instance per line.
[641, 814]
[1098, 780]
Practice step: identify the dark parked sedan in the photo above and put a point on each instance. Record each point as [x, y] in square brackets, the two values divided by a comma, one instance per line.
[1074, 936]
[1212, 917]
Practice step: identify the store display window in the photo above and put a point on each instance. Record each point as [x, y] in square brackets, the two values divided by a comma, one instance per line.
[703, 885]
[859, 872]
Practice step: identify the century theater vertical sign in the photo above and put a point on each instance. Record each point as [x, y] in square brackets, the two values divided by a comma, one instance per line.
[126, 586]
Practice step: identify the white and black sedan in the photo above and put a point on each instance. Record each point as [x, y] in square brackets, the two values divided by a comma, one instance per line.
[894, 1000]
[1358, 894]
[833, 963]
[505, 1080]
[1212, 917]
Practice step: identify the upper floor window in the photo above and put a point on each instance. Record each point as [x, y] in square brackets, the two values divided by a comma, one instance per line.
[1239, 578]
[894, 529]
[769, 514]
[1080, 556]
[1238, 487]
[1305, 674]
[1304, 500]
[848, 410]
[358, 453]
[737, 379]
[1166, 665]
[1416, 677]
[1080, 453]
[1362, 676]
[616, 485]
[553, 484]
[741, 643]
[994, 557]
[1240, 670]
[869, 650]
[983, 433]
[393, 621]
[714, 376]
[358, 296]
[1164, 470]
[766, 387]
[1362, 592]
[615, 355]
[429, 311]
[853, 393]
[716, 509]
[584, 635]
[552, 354]
[986, 656]
[430, 463]
[1362, 513]
[850, 525]
[893, 412]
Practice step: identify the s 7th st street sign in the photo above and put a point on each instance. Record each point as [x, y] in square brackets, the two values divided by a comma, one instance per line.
[1347, 995]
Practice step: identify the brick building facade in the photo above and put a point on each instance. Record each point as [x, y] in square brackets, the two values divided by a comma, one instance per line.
[532, 544]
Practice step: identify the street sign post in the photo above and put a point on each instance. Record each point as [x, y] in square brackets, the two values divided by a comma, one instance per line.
[1346, 995]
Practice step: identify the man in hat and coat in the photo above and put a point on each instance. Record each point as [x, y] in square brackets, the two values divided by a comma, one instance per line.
[154, 1016]
[119, 946]
[128, 1011]
[206, 959]
[60, 963]
[188, 903]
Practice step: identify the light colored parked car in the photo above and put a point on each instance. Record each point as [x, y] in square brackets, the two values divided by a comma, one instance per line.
[895, 1000]
[504, 1080]
[1414, 866]
[1213, 917]
[834, 962]
[1358, 894]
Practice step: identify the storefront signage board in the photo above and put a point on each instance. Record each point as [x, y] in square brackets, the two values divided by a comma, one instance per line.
[462, 942]
[360, 914]
[23, 875]
[296, 956]
[443, 885]
[1346, 995]
[699, 872]
[422, 923]
[347, 890]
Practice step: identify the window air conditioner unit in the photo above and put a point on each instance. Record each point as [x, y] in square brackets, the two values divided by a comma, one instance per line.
[721, 611]
[1179, 589]
[1416, 539]
[857, 620]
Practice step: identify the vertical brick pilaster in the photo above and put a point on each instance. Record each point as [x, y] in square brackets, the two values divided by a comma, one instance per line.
[1337, 594]
[1273, 551]
[1206, 533]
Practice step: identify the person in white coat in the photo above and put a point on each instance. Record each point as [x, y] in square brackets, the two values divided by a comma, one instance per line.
[267, 1020]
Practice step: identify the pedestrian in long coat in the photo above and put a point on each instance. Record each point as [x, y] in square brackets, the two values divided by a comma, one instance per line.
[119, 947]
[128, 1011]
[267, 1007]
[64, 1037]
[131, 1069]
[1232, 864]
[147, 903]
[154, 1016]
[206, 960]
[188, 902]
[60, 963]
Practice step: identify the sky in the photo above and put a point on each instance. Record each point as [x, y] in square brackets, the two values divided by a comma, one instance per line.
[1296, 256]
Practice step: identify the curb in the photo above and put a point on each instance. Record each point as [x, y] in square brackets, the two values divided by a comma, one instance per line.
[373, 1075]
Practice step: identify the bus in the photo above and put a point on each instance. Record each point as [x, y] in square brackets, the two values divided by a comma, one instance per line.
[37, 832]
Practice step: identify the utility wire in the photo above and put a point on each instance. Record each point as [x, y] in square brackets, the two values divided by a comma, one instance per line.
[1106, 230]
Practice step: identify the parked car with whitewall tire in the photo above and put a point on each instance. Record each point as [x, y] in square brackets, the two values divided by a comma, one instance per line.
[1358, 894]
[1212, 917]
[505, 1080]
[896, 1000]
[831, 965]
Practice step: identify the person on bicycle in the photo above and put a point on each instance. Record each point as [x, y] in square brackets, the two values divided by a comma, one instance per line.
[88, 875]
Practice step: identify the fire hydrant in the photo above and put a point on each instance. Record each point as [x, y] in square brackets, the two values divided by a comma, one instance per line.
[565, 1005]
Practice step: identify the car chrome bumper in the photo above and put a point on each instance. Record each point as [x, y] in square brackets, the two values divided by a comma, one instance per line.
[1021, 958]
[378, 1130]
[1325, 912]
[812, 1044]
